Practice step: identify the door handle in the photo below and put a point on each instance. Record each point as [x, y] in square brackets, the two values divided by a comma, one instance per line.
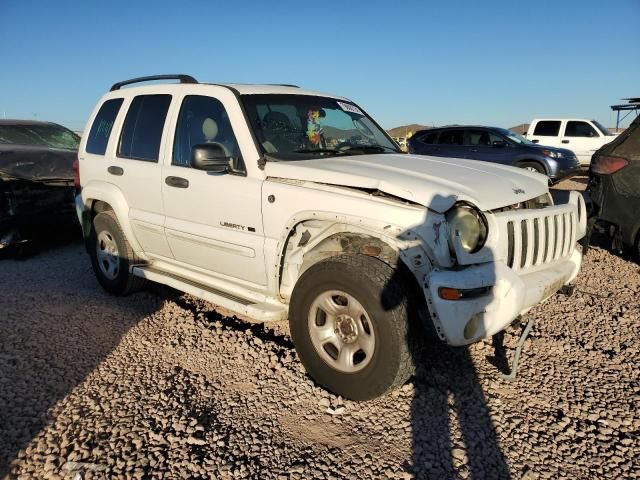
[118, 171]
[474, 149]
[535, 141]
[177, 182]
[565, 141]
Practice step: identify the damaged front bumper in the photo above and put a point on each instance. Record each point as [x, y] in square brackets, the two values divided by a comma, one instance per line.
[506, 296]
[531, 255]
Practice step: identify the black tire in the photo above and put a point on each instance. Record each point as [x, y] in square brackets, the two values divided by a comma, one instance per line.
[532, 165]
[383, 294]
[123, 282]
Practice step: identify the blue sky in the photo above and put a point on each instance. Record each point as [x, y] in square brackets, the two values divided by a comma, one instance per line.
[481, 62]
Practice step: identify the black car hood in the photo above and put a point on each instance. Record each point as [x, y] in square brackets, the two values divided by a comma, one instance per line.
[36, 163]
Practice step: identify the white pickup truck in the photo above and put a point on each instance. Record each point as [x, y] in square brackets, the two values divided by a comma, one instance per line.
[581, 136]
[276, 202]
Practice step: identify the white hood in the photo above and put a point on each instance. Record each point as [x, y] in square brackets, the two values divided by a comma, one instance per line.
[436, 183]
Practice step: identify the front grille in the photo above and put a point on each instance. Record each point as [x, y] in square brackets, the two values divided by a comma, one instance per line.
[537, 240]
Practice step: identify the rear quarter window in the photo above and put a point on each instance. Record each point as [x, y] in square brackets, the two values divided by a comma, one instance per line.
[142, 129]
[102, 126]
[547, 128]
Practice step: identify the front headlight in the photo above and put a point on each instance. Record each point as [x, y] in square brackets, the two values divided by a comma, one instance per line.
[469, 225]
[552, 154]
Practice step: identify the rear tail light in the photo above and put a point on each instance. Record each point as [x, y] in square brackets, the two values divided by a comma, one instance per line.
[606, 165]
[76, 174]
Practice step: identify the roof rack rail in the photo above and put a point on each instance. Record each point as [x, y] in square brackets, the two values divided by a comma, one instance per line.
[284, 85]
[181, 77]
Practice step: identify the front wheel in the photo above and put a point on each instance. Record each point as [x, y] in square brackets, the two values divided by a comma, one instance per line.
[350, 325]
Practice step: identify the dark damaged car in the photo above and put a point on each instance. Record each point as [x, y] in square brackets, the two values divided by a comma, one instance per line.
[614, 186]
[36, 180]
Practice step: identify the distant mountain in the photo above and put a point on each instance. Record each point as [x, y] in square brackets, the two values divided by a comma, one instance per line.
[403, 130]
[521, 129]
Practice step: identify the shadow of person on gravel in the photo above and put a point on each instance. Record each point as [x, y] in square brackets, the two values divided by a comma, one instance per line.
[57, 326]
[453, 435]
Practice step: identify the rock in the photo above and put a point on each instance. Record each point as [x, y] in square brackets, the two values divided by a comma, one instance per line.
[196, 441]
[336, 411]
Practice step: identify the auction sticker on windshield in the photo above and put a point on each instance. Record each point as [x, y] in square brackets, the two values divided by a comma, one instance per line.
[347, 107]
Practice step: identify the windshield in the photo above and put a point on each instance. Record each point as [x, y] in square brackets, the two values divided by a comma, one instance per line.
[602, 128]
[53, 136]
[301, 127]
[515, 137]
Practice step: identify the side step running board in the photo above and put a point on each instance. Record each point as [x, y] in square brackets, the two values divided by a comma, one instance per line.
[262, 312]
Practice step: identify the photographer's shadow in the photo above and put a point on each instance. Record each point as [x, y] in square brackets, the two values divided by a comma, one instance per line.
[453, 435]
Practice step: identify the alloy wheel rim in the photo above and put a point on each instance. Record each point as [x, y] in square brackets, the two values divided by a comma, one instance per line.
[107, 253]
[341, 331]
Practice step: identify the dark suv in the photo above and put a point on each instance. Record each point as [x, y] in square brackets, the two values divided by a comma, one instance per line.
[497, 145]
[614, 186]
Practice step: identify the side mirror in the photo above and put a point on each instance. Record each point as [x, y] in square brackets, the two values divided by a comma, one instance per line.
[211, 158]
[499, 143]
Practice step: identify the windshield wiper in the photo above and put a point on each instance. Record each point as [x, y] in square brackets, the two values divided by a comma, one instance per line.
[350, 150]
[370, 148]
[319, 150]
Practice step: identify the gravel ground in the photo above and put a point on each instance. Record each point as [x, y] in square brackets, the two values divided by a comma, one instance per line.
[579, 182]
[159, 385]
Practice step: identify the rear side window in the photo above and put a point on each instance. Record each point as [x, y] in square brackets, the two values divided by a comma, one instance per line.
[142, 129]
[102, 125]
[451, 137]
[579, 129]
[547, 128]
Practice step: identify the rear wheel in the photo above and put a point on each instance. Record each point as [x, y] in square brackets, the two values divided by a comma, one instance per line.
[349, 323]
[112, 256]
[532, 167]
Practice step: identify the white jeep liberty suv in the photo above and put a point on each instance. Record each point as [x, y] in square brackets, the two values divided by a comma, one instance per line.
[276, 202]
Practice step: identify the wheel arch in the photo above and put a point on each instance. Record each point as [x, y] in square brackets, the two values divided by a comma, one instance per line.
[312, 240]
[99, 197]
[542, 164]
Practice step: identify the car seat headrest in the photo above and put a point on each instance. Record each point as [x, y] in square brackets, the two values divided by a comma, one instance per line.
[209, 129]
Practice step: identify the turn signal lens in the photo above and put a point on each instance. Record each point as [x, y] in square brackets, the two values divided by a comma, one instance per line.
[447, 293]
[607, 165]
